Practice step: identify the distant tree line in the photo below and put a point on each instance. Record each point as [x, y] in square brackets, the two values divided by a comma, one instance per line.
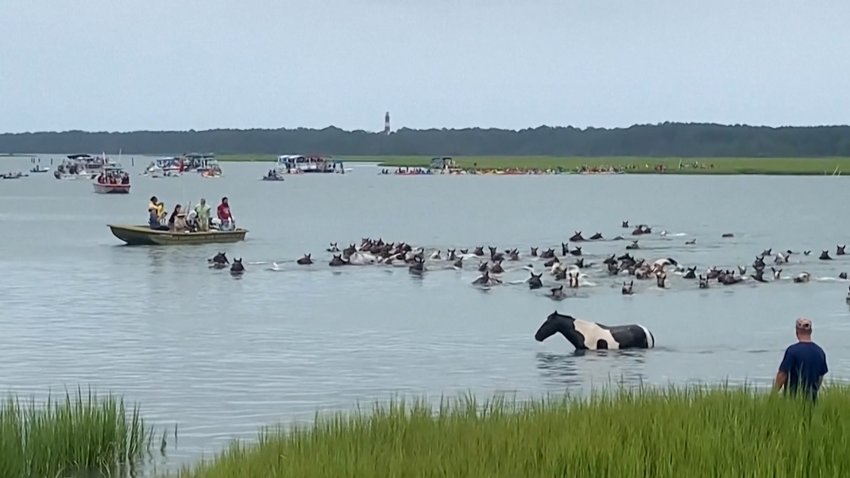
[666, 139]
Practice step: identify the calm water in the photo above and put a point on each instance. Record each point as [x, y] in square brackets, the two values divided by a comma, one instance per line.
[222, 357]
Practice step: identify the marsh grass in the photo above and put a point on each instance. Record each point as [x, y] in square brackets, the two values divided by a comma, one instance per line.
[79, 435]
[672, 432]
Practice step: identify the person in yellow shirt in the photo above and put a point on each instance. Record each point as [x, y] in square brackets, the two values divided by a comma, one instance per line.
[156, 213]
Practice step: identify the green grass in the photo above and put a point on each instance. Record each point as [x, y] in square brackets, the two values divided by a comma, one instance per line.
[80, 434]
[684, 432]
[632, 165]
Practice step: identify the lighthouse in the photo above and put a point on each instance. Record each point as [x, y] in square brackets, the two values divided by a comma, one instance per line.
[387, 123]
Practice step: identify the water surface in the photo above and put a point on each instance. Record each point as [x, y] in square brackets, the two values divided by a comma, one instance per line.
[222, 357]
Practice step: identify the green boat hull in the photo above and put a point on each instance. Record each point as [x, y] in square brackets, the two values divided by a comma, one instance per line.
[145, 236]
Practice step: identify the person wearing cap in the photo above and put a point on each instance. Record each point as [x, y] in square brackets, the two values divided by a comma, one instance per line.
[804, 364]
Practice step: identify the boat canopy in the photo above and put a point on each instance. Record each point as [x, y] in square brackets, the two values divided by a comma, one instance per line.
[163, 162]
[199, 156]
[441, 162]
[292, 159]
[79, 156]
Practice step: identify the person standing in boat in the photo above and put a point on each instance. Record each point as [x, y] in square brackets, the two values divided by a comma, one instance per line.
[224, 215]
[203, 212]
[155, 216]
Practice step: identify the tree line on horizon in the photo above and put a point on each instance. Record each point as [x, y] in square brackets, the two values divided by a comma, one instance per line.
[659, 140]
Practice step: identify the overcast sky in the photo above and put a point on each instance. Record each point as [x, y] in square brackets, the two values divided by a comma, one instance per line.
[197, 64]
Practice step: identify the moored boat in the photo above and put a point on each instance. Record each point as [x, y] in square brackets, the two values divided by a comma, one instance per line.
[143, 235]
[113, 180]
[39, 169]
[273, 175]
[74, 168]
[297, 164]
[164, 168]
[17, 175]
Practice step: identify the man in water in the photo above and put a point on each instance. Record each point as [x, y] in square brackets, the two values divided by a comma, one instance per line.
[803, 365]
[203, 211]
[224, 215]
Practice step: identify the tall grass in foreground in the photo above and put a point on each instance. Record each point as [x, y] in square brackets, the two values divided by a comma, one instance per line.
[675, 432]
[79, 434]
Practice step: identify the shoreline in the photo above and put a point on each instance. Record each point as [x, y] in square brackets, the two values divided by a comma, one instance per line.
[519, 165]
[590, 165]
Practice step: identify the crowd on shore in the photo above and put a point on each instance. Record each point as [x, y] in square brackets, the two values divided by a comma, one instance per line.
[516, 170]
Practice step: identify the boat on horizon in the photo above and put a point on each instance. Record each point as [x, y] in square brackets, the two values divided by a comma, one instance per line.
[143, 235]
[309, 164]
[81, 166]
[39, 169]
[164, 168]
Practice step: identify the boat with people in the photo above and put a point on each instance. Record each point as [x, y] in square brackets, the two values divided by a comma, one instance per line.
[184, 225]
[200, 163]
[444, 165]
[39, 169]
[92, 164]
[112, 180]
[302, 164]
[81, 166]
[212, 172]
[273, 175]
[143, 235]
[170, 167]
[15, 175]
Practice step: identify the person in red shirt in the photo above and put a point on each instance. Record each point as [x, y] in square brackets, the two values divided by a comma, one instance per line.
[224, 215]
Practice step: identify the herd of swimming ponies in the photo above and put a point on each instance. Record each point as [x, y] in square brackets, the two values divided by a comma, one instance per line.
[569, 271]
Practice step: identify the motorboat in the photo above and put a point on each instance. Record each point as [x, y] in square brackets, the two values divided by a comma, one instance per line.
[164, 168]
[39, 169]
[143, 235]
[273, 175]
[112, 180]
[302, 164]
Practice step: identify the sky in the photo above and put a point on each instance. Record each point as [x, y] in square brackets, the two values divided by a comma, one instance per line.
[106, 65]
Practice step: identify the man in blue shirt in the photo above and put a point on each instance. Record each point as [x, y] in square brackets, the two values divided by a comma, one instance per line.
[803, 365]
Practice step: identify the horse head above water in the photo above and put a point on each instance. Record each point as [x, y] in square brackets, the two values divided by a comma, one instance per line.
[219, 261]
[305, 261]
[237, 267]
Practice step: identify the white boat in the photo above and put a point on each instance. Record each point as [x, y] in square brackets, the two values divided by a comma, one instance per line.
[92, 164]
[298, 164]
[65, 172]
[163, 168]
[82, 166]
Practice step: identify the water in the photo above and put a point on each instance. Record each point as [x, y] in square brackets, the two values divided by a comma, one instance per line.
[222, 357]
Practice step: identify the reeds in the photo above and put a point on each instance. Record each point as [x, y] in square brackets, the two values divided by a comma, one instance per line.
[672, 432]
[80, 434]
